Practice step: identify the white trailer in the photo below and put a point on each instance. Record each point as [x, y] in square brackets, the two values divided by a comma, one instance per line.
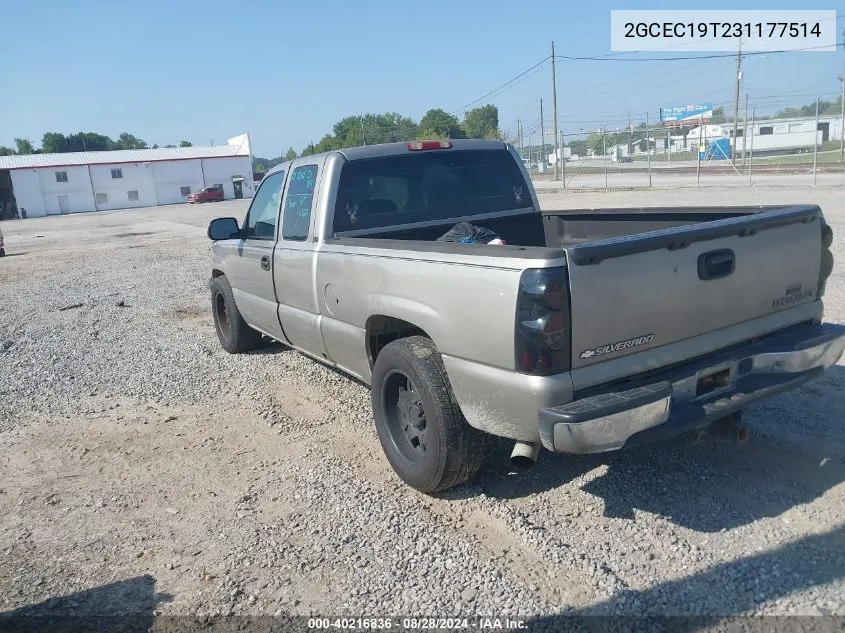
[785, 142]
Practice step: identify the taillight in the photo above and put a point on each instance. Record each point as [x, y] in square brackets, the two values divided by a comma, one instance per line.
[418, 145]
[542, 336]
[826, 267]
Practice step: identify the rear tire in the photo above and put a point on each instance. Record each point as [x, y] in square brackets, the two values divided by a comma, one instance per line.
[234, 334]
[422, 431]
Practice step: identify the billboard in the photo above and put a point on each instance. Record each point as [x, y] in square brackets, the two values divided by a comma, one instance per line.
[688, 114]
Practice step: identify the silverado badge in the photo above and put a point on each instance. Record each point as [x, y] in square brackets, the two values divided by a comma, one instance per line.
[618, 346]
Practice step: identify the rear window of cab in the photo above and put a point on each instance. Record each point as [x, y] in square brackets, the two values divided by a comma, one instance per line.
[425, 186]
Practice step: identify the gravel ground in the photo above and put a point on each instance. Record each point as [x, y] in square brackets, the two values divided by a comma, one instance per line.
[143, 468]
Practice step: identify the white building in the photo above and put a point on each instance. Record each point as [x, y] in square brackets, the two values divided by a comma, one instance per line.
[53, 184]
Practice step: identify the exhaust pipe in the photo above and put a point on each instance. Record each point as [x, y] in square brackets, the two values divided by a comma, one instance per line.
[524, 455]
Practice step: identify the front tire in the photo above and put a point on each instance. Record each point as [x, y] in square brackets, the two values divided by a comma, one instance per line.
[420, 427]
[234, 334]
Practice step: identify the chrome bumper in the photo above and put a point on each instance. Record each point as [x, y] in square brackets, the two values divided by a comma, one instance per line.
[671, 402]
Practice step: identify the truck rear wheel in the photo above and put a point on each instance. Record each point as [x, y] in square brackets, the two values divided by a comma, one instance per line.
[234, 334]
[419, 424]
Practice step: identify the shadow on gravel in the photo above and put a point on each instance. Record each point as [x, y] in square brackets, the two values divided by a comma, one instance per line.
[121, 607]
[810, 562]
[15, 254]
[268, 347]
[707, 487]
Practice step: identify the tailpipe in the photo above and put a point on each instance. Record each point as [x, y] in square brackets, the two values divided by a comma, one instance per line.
[524, 455]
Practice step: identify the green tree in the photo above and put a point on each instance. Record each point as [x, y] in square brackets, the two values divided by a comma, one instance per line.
[24, 146]
[437, 123]
[56, 143]
[185, 144]
[370, 129]
[6, 151]
[53, 143]
[718, 116]
[482, 122]
[89, 142]
[577, 147]
[328, 143]
[129, 141]
[291, 154]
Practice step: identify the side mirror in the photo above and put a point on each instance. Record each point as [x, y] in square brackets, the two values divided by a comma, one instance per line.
[223, 229]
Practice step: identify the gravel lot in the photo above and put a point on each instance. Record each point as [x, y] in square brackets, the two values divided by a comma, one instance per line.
[141, 467]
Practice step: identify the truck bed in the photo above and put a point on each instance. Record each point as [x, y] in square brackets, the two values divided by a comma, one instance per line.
[644, 278]
[563, 228]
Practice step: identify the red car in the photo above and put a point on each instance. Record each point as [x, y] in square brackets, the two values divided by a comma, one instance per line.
[209, 194]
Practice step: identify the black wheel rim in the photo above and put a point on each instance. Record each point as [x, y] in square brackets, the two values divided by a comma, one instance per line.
[406, 421]
[221, 314]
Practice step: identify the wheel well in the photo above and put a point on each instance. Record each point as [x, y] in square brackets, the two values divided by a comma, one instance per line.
[216, 273]
[382, 330]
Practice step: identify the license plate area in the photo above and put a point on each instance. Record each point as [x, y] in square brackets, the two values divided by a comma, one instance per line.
[713, 381]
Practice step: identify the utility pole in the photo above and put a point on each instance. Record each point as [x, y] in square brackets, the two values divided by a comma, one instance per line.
[816, 141]
[698, 151]
[363, 138]
[542, 161]
[554, 108]
[751, 147]
[745, 131]
[842, 123]
[736, 100]
[519, 137]
[562, 160]
[648, 147]
[604, 151]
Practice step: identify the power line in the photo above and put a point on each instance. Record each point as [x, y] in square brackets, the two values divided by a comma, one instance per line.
[503, 86]
[689, 57]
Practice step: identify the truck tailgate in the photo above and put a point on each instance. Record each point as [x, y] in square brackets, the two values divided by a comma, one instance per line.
[640, 291]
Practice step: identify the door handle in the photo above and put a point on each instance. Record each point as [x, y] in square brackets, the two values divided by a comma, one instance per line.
[716, 264]
[265, 262]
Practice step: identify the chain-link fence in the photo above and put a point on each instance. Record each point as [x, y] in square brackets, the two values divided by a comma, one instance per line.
[787, 146]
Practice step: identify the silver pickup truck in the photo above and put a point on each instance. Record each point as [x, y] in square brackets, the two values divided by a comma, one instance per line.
[587, 331]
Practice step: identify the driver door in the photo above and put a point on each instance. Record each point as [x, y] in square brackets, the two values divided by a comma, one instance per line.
[252, 267]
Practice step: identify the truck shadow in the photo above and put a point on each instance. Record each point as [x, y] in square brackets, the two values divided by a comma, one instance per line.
[797, 566]
[795, 455]
[126, 607]
[269, 347]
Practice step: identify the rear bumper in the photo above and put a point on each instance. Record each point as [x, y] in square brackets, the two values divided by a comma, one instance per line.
[668, 403]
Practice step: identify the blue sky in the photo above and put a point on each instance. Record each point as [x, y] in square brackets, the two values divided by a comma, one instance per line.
[286, 71]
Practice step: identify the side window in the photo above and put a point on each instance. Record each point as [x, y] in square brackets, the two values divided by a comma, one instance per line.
[261, 220]
[297, 215]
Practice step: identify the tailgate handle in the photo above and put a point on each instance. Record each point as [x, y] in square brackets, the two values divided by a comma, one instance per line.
[716, 264]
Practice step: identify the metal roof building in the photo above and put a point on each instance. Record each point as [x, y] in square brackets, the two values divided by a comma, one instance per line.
[53, 184]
